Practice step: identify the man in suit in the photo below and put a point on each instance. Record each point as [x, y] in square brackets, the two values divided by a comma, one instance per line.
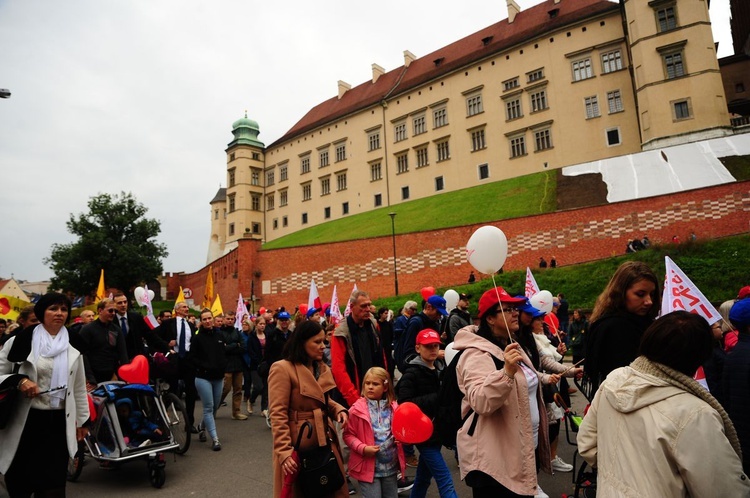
[177, 332]
[135, 330]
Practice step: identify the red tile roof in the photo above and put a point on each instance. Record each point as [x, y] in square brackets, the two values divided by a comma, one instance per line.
[527, 25]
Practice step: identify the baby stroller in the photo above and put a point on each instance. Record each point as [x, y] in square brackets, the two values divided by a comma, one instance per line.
[584, 478]
[130, 424]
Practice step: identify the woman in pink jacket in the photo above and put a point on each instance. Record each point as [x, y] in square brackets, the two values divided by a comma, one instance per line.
[375, 458]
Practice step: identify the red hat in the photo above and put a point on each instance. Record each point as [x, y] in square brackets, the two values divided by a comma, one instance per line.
[428, 336]
[490, 298]
[744, 292]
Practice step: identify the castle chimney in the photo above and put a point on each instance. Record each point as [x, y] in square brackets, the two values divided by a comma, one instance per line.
[377, 72]
[513, 10]
[408, 58]
[343, 88]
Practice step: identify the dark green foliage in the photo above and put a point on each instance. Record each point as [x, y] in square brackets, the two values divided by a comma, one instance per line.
[115, 236]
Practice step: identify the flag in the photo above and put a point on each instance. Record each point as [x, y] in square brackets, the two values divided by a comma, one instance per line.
[216, 308]
[313, 301]
[335, 310]
[208, 295]
[531, 285]
[700, 378]
[682, 294]
[11, 306]
[348, 309]
[78, 302]
[100, 290]
[241, 313]
[150, 319]
[180, 297]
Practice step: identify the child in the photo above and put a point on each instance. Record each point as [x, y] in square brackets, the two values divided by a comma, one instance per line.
[375, 457]
[420, 384]
[139, 430]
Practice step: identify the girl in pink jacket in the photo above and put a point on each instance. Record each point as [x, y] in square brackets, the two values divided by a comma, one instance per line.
[376, 458]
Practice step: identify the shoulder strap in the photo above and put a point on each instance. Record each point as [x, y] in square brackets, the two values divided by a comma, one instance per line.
[498, 365]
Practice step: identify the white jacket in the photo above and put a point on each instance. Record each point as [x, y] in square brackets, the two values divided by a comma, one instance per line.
[649, 438]
[76, 402]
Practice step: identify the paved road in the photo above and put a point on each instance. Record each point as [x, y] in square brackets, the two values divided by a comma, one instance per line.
[242, 468]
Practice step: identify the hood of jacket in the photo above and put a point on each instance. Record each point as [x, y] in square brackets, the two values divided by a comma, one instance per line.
[467, 338]
[628, 390]
[417, 360]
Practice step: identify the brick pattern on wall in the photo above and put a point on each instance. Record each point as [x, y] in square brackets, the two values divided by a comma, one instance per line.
[438, 258]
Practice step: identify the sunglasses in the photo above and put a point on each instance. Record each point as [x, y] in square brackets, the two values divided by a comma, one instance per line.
[510, 310]
[110, 310]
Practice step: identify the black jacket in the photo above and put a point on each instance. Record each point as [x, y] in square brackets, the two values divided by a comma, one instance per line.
[416, 324]
[139, 334]
[230, 336]
[275, 342]
[101, 358]
[420, 385]
[254, 350]
[736, 384]
[207, 355]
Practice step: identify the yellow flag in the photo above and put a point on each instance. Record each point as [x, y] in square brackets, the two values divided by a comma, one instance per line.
[100, 290]
[216, 309]
[11, 306]
[208, 296]
[180, 297]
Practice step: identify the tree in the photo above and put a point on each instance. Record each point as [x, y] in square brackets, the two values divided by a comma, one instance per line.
[115, 236]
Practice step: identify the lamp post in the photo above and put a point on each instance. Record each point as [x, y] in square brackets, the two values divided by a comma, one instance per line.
[393, 237]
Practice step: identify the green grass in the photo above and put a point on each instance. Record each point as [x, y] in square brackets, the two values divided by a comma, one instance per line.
[718, 267]
[738, 166]
[522, 196]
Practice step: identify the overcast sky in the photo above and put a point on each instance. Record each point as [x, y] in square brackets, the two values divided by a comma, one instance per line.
[140, 95]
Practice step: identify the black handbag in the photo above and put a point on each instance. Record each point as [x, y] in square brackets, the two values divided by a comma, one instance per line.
[9, 397]
[319, 472]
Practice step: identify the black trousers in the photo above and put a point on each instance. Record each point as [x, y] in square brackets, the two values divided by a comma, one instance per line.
[186, 373]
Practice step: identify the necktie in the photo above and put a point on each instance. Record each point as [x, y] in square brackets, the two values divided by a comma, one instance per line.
[181, 340]
[124, 326]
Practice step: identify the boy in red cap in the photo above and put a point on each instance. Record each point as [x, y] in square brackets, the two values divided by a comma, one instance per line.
[420, 384]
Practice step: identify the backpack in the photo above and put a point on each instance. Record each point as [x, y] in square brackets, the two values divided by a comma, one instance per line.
[448, 419]
[400, 353]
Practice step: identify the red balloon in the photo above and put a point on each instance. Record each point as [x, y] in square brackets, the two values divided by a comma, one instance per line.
[302, 309]
[410, 425]
[92, 408]
[136, 372]
[427, 292]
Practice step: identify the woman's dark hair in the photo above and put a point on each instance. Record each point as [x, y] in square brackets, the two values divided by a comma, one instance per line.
[50, 299]
[680, 340]
[612, 299]
[381, 310]
[485, 330]
[294, 349]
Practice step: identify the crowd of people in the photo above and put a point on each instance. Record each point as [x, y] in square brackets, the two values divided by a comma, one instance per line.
[338, 386]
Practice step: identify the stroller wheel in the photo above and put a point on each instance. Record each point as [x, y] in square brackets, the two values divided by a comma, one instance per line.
[157, 475]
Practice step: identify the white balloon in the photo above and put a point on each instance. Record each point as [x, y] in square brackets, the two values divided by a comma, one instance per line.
[150, 295]
[487, 249]
[139, 293]
[542, 300]
[451, 299]
[450, 353]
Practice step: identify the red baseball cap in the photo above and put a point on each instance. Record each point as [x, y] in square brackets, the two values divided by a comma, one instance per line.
[428, 336]
[490, 298]
[744, 292]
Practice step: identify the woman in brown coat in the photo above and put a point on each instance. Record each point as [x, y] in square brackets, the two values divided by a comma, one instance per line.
[298, 391]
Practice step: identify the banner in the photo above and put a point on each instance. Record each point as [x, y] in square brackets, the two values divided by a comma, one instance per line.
[241, 313]
[313, 300]
[11, 306]
[100, 289]
[348, 309]
[531, 285]
[682, 294]
[335, 309]
[150, 319]
[180, 297]
[216, 308]
[208, 295]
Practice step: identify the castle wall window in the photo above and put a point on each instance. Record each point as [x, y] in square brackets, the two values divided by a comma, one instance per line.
[477, 140]
[231, 202]
[440, 116]
[256, 228]
[376, 172]
[340, 182]
[344, 208]
[399, 132]
[306, 191]
[378, 200]
[535, 75]
[304, 165]
[283, 172]
[284, 221]
[439, 184]
[518, 146]
[582, 69]
[673, 65]
[474, 105]
[484, 171]
[275, 223]
[255, 201]
[231, 156]
[538, 101]
[373, 140]
[592, 107]
[681, 109]
[304, 218]
[402, 163]
[404, 193]
[542, 140]
[231, 178]
[325, 185]
[323, 158]
[513, 109]
[341, 152]
[283, 198]
[613, 136]
[666, 18]
[256, 156]
[611, 61]
[422, 159]
[255, 177]
[510, 84]
[270, 201]
[420, 125]
[614, 101]
[216, 214]
[231, 229]
[270, 178]
[327, 212]
[443, 150]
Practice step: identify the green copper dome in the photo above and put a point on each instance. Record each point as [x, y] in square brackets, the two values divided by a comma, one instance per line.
[246, 132]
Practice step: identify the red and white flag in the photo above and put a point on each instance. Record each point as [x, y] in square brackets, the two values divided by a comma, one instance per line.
[700, 378]
[335, 317]
[531, 285]
[348, 309]
[241, 313]
[682, 294]
[150, 319]
[313, 301]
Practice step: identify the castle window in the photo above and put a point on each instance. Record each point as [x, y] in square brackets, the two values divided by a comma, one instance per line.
[474, 105]
[614, 101]
[592, 107]
[538, 101]
[325, 185]
[284, 221]
[399, 131]
[611, 61]
[518, 146]
[484, 171]
[535, 75]
[254, 176]
[404, 193]
[582, 69]
[673, 65]
[443, 150]
[305, 165]
[230, 180]
[510, 84]
[344, 208]
[477, 140]
[376, 172]
[304, 218]
[513, 109]
[231, 202]
[542, 140]
[256, 228]
[326, 212]
[439, 184]
[283, 173]
[323, 158]
[402, 163]
[283, 197]
[422, 159]
[341, 182]
[306, 191]
[270, 178]
[613, 136]
[341, 152]
[666, 19]
[231, 229]
[681, 109]
[255, 201]
[378, 200]
[440, 116]
[270, 201]
[419, 125]
[373, 139]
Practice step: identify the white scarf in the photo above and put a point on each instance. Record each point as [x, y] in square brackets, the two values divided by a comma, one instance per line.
[545, 347]
[47, 346]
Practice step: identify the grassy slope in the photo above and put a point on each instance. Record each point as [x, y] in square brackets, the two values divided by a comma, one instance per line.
[523, 196]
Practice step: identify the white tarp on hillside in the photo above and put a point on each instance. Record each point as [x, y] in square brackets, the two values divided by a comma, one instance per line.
[665, 171]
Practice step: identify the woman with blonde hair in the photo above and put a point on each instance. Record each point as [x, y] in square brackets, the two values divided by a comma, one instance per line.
[622, 312]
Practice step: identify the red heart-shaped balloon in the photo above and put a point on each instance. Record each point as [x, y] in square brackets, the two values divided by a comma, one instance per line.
[427, 292]
[410, 424]
[4, 306]
[136, 372]
[302, 309]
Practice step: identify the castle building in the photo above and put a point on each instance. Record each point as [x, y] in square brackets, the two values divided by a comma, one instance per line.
[562, 83]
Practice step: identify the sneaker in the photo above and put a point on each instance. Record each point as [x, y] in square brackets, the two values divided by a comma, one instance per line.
[559, 466]
[201, 433]
[223, 403]
[352, 489]
[249, 407]
[539, 493]
[405, 484]
[412, 461]
[193, 430]
[268, 417]
[239, 416]
[216, 446]
[145, 443]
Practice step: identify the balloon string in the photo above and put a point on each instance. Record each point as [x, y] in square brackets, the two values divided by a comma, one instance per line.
[497, 293]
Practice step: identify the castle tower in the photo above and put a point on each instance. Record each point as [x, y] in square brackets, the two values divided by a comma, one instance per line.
[217, 241]
[678, 86]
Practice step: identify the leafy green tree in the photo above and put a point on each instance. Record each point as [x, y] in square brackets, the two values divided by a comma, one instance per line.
[115, 236]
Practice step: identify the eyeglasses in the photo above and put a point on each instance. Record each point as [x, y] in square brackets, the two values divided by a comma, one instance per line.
[109, 310]
[510, 310]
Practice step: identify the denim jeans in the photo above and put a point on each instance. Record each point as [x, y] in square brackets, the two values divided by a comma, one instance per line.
[431, 464]
[380, 487]
[210, 394]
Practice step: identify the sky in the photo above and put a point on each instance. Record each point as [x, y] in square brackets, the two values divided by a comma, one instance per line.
[140, 96]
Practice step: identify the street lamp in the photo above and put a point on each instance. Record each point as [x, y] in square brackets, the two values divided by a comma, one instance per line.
[393, 237]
